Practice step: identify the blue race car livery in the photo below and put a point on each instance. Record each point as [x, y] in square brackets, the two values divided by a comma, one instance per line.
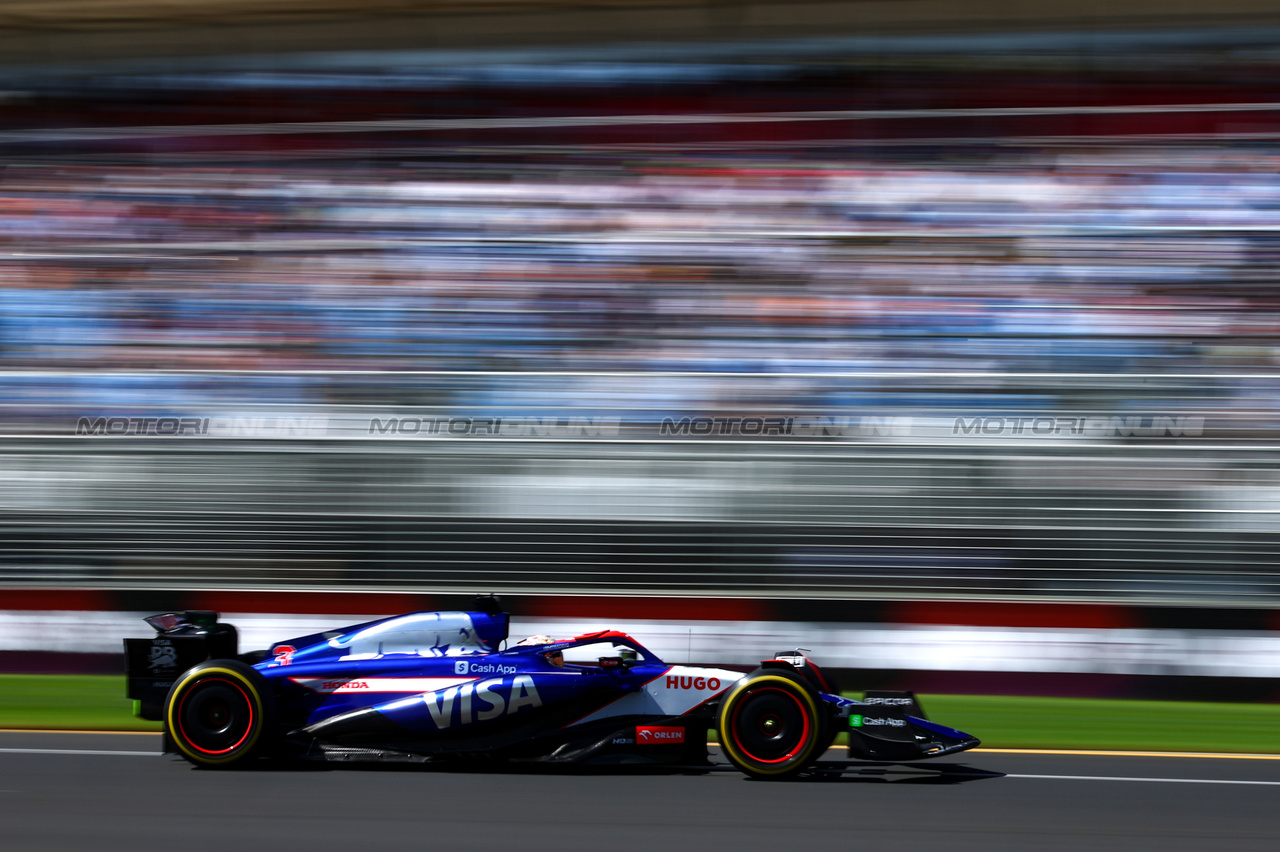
[441, 685]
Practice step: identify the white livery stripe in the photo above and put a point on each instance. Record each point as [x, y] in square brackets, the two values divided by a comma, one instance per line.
[330, 686]
[675, 692]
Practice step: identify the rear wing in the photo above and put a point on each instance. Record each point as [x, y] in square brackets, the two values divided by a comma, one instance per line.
[182, 640]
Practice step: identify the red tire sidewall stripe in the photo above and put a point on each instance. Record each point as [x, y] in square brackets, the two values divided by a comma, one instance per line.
[804, 734]
[248, 728]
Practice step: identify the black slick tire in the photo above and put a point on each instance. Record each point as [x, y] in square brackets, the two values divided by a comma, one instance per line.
[772, 724]
[219, 714]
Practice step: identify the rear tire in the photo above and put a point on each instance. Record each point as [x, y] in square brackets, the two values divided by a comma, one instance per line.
[218, 714]
[772, 724]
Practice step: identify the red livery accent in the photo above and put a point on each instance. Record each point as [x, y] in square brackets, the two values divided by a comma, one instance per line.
[658, 735]
[603, 634]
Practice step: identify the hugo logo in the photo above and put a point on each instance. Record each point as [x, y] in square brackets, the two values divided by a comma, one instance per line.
[682, 682]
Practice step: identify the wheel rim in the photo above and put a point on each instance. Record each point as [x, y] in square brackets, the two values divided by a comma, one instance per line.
[215, 716]
[770, 725]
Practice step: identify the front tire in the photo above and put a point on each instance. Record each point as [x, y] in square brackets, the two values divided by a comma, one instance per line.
[772, 724]
[218, 713]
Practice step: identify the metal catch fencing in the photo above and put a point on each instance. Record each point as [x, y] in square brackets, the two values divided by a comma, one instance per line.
[1000, 504]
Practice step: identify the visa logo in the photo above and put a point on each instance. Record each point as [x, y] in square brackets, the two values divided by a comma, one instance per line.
[480, 702]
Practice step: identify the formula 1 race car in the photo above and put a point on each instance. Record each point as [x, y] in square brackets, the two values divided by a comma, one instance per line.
[436, 685]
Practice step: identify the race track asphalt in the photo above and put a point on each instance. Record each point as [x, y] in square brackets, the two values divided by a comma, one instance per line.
[110, 792]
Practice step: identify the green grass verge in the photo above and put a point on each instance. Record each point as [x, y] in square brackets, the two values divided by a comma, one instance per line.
[1090, 723]
[68, 702]
[97, 702]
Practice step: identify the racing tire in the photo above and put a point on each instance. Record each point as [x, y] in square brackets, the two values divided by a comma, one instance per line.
[772, 724]
[218, 714]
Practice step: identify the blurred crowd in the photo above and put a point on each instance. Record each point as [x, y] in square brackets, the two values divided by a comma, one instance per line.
[1112, 257]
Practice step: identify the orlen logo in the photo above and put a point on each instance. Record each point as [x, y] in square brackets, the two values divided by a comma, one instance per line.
[699, 683]
[658, 735]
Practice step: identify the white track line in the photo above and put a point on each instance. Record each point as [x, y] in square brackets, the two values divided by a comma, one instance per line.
[1152, 780]
[1010, 775]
